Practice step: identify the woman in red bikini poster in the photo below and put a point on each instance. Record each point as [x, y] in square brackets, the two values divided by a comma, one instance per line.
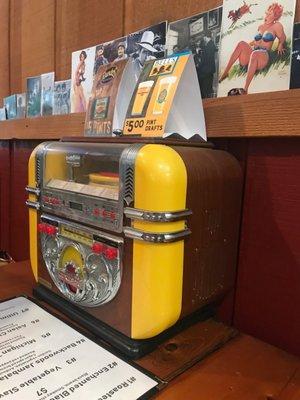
[255, 53]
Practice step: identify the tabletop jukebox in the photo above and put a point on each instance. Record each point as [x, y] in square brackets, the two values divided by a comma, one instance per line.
[132, 238]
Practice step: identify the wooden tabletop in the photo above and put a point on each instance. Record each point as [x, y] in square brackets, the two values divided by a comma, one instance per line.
[243, 369]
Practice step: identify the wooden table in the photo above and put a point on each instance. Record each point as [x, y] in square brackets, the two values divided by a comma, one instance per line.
[243, 369]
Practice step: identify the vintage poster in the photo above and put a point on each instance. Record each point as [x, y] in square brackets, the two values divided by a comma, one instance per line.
[10, 103]
[295, 70]
[33, 97]
[255, 53]
[100, 112]
[82, 78]
[141, 46]
[47, 81]
[21, 105]
[201, 35]
[62, 91]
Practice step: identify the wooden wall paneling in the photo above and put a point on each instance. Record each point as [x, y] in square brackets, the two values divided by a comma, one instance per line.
[81, 24]
[19, 231]
[32, 28]
[4, 49]
[5, 195]
[140, 14]
[268, 295]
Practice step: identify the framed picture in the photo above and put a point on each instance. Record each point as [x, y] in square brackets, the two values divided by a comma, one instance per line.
[213, 19]
[197, 26]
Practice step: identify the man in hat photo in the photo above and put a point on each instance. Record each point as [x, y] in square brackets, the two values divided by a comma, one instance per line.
[121, 50]
[146, 51]
[100, 59]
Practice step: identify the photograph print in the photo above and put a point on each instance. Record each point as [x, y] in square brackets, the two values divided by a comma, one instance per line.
[62, 91]
[33, 98]
[295, 69]
[47, 82]
[10, 103]
[108, 52]
[256, 46]
[146, 44]
[82, 78]
[21, 105]
[199, 34]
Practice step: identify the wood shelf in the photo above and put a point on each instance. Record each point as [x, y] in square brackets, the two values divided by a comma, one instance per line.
[256, 115]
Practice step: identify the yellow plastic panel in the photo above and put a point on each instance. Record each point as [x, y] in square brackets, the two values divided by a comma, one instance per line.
[33, 235]
[160, 185]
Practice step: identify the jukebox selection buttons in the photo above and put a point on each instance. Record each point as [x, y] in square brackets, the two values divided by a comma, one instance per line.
[111, 253]
[97, 248]
[47, 229]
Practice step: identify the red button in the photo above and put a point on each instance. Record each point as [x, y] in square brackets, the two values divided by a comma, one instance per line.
[41, 228]
[51, 230]
[97, 248]
[96, 211]
[111, 253]
[113, 215]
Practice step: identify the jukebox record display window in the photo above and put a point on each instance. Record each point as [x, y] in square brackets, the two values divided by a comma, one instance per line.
[75, 184]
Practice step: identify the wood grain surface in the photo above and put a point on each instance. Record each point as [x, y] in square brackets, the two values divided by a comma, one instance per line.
[81, 24]
[225, 117]
[4, 49]
[32, 40]
[243, 369]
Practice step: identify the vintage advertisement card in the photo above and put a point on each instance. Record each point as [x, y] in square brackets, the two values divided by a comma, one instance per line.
[82, 78]
[62, 91]
[201, 35]
[256, 49]
[295, 70]
[141, 46]
[47, 81]
[10, 103]
[43, 358]
[33, 98]
[167, 100]
[100, 116]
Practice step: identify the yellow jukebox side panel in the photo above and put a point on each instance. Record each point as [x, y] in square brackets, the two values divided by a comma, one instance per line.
[33, 233]
[55, 166]
[160, 186]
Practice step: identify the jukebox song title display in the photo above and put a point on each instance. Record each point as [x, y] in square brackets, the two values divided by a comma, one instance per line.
[132, 238]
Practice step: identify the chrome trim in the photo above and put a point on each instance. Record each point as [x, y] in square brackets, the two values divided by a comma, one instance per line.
[33, 190]
[126, 170]
[33, 204]
[154, 216]
[155, 237]
[83, 228]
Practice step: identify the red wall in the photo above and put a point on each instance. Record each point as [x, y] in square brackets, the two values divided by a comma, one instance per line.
[268, 286]
[20, 152]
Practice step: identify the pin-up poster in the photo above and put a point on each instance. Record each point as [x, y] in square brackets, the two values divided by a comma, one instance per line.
[82, 78]
[255, 46]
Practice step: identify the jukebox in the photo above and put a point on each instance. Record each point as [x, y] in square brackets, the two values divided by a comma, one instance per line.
[133, 238]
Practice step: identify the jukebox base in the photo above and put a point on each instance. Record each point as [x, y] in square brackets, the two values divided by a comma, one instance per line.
[131, 348]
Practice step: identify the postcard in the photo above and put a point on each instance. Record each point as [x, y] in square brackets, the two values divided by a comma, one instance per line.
[47, 81]
[199, 34]
[82, 78]
[256, 49]
[62, 91]
[33, 96]
[21, 105]
[10, 103]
